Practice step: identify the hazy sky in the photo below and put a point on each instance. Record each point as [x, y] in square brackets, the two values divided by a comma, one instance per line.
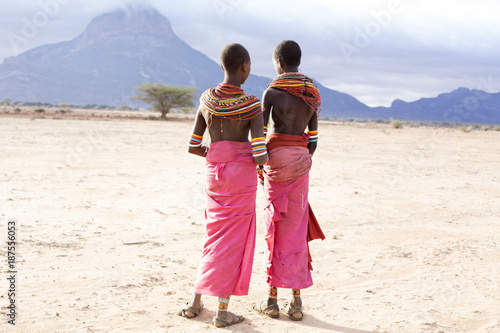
[376, 51]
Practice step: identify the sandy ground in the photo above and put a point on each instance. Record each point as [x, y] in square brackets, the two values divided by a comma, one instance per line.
[110, 228]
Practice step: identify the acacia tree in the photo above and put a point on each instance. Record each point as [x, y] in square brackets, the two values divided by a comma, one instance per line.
[164, 97]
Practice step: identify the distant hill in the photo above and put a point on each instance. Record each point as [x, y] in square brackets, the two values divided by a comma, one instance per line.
[462, 105]
[128, 47]
[117, 51]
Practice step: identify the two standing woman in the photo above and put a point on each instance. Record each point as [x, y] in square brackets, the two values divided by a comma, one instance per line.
[292, 100]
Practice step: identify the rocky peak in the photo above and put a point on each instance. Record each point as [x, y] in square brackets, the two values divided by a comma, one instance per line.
[134, 19]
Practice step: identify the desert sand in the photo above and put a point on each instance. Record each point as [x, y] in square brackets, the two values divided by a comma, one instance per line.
[110, 229]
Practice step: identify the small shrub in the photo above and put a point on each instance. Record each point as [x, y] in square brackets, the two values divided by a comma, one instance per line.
[39, 110]
[17, 110]
[153, 118]
[124, 107]
[396, 123]
[497, 128]
[485, 128]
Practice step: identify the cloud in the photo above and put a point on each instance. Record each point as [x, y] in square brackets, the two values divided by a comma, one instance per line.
[398, 48]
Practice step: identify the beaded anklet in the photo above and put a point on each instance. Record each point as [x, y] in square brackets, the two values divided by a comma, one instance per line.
[273, 292]
[223, 303]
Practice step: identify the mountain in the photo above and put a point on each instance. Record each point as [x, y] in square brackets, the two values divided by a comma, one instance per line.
[462, 106]
[129, 47]
[118, 51]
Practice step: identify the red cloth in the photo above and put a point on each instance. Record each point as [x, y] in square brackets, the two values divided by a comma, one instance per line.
[276, 140]
[231, 186]
[286, 148]
[313, 232]
[286, 217]
[290, 222]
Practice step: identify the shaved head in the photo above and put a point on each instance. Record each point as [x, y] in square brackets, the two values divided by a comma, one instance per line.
[288, 52]
[233, 56]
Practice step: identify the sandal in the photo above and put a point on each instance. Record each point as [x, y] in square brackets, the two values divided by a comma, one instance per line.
[272, 311]
[196, 312]
[235, 319]
[291, 310]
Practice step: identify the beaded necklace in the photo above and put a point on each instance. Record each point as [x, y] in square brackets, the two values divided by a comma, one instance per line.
[301, 86]
[230, 102]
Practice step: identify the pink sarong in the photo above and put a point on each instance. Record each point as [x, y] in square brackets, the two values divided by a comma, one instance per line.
[287, 212]
[231, 184]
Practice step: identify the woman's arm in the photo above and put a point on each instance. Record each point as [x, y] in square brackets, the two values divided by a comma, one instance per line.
[258, 140]
[313, 131]
[195, 146]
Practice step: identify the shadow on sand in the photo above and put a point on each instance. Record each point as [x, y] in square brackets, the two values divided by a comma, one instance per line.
[311, 321]
[247, 325]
